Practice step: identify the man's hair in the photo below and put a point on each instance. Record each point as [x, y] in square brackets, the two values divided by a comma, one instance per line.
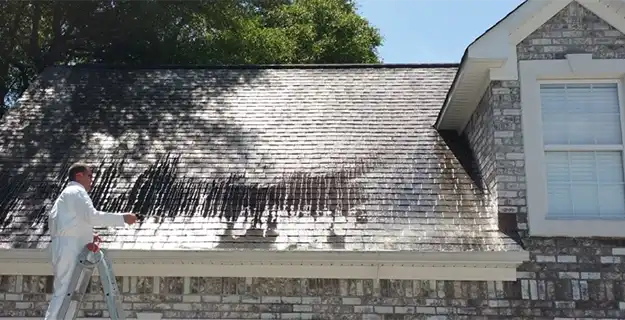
[78, 167]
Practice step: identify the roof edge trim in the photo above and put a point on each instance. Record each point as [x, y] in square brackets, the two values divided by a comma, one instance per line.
[496, 45]
[472, 53]
[263, 66]
[487, 266]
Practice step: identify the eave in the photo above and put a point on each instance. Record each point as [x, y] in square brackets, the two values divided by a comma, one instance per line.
[493, 56]
[467, 266]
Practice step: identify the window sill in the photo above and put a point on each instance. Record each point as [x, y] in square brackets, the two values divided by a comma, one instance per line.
[585, 228]
[585, 218]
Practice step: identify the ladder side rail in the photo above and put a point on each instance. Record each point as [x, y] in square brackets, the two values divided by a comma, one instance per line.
[111, 289]
[81, 276]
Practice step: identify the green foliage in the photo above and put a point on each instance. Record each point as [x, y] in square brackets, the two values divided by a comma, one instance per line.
[38, 34]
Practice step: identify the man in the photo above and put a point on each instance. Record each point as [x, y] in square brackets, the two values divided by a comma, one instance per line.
[71, 223]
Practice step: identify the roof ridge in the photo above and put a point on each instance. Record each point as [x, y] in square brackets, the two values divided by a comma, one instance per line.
[267, 66]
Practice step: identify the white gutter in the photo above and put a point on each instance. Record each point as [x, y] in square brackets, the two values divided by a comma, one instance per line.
[500, 266]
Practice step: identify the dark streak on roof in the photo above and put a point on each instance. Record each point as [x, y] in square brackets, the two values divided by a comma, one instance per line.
[255, 158]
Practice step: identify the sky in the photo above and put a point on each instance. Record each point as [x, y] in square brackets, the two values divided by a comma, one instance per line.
[431, 31]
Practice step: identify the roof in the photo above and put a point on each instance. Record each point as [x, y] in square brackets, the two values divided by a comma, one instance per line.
[339, 157]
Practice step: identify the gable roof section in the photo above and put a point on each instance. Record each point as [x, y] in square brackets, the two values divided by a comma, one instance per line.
[280, 159]
[492, 56]
[246, 170]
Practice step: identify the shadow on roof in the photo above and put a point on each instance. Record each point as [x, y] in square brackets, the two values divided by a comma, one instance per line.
[66, 107]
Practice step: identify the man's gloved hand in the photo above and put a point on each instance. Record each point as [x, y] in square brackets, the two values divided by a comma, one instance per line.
[96, 238]
[130, 218]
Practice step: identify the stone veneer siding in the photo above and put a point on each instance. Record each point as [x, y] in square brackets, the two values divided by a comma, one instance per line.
[567, 278]
[270, 298]
[481, 139]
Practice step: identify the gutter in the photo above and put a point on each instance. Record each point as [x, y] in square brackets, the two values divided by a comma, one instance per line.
[500, 266]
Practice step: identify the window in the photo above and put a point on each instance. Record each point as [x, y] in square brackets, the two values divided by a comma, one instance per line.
[572, 120]
[582, 139]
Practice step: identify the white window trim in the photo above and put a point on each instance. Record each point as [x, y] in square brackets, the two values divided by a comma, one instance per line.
[575, 68]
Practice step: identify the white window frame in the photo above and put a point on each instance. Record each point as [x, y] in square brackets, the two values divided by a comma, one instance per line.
[576, 68]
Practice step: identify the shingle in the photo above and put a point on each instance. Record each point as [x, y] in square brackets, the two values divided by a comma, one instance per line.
[259, 158]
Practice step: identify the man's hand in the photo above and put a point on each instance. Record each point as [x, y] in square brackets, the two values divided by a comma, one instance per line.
[130, 218]
[96, 238]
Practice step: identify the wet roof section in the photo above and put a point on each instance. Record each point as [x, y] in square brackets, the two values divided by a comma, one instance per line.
[298, 158]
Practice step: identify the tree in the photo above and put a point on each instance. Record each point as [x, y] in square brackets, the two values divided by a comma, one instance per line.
[37, 34]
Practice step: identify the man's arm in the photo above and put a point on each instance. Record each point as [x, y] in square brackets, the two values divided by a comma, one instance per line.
[100, 218]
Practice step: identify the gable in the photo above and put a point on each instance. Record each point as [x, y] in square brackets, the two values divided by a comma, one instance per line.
[573, 30]
[493, 56]
[325, 158]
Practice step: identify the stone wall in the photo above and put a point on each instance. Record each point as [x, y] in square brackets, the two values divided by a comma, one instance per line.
[495, 134]
[573, 30]
[481, 139]
[268, 298]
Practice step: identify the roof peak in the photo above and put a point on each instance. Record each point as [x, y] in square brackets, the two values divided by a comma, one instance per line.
[268, 66]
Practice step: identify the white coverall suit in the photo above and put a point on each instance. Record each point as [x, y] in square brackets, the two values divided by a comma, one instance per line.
[71, 223]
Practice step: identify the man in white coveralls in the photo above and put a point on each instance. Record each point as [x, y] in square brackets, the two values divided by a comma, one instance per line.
[71, 223]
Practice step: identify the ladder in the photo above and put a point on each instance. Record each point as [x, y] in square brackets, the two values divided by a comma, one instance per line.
[92, 256]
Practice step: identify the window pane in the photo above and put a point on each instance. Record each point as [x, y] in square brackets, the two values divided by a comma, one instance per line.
[557, 167]
[559, 200]
[585, 184]
[611, 199]
[581, 114]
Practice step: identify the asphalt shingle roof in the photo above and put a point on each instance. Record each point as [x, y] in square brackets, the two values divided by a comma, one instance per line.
[280, 158]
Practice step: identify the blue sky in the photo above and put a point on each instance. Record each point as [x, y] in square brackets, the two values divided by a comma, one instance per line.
[428, 31]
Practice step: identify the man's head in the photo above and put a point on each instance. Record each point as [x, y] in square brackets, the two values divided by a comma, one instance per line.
[81, 173]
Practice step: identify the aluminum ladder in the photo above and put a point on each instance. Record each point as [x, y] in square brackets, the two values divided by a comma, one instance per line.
[92, 256]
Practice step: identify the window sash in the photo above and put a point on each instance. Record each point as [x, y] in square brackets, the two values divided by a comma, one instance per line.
[580, 186]
[581, 113]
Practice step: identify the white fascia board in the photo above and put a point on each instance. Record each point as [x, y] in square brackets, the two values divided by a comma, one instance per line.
[550, 8]
[537, 13]
[491, 46]
[495, 43]
[493, 55]
[475, 266]
[498, 46]
[461, 72]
